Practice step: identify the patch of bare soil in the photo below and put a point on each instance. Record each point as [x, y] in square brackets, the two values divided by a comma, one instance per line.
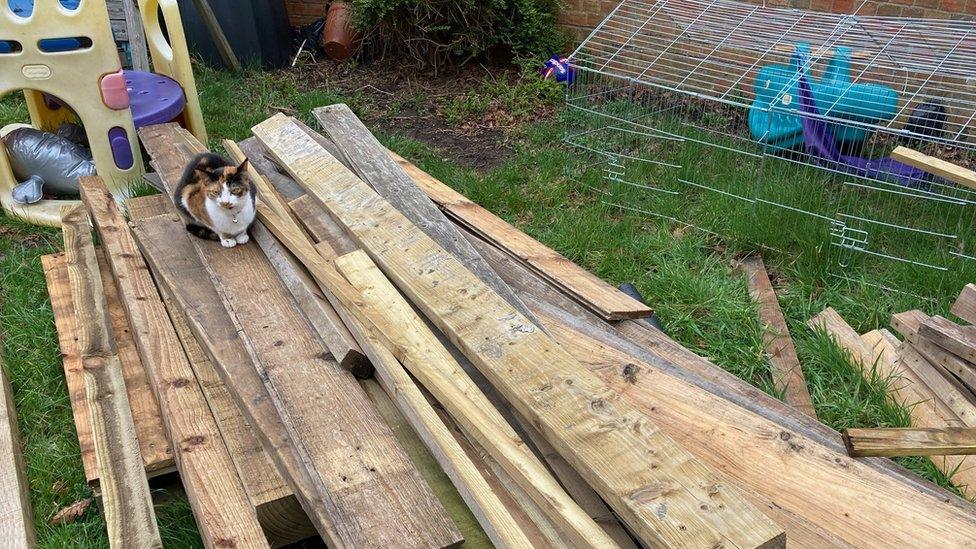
[405, 102]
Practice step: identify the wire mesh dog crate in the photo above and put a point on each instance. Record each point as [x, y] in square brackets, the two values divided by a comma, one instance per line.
[774, 126]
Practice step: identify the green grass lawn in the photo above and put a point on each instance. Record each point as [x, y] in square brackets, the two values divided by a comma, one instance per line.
[685, 274]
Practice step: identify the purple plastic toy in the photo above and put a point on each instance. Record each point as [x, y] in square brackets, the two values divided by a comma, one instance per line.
[819, 144]
[153, 99]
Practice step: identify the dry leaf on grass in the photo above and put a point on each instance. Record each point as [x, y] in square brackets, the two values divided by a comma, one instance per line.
[68, 514]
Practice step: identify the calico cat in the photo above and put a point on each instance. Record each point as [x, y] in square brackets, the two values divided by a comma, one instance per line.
[217, 199]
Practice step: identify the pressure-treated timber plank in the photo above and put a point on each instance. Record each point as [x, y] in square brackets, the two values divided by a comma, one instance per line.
[371, 161]
[821, 497]
[129, 516]
[965, 305]
[333, 241]
[671, 360]
[786, 370]
[590, 290]
[16, 516]
[497, 522]
[206, 13]
[153, 443]
[332, 237]
[141, 207]
[892, 442]
[418, 349]
[217, 498]
[935, 166]
[579, 415]
[961, 373]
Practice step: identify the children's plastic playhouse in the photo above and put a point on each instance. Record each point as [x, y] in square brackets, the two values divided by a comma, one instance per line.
[62, 55]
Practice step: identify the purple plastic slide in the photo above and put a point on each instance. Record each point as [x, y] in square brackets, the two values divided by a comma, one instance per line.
[819, 144]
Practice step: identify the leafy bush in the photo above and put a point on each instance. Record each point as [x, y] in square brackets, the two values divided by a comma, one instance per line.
[443, 32]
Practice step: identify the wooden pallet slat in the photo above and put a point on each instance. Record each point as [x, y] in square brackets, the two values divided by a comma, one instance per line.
[578, 414]
[217, 498]
[965, 305]
[787, 372]
[129, 515]
[893, 442]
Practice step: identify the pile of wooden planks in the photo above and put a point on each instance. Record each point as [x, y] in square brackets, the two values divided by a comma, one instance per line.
[384, 348]
[931, 371]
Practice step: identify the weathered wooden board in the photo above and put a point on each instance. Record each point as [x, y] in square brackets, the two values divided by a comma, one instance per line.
[345, 436]
[590, 290]
[216, 495]
[961, 373]
[407, 337]
[128, 507]
[935, 166]
[154, 445]
[16, 516]
[370, 160]
[958, 340]
[821, 497]
[279, 512]
[876, 355]
[590, 425]
[965, 305]
[891, 442]
[787, 373]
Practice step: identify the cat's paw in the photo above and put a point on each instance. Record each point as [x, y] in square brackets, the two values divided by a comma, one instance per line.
[228, 242]
[242, 238]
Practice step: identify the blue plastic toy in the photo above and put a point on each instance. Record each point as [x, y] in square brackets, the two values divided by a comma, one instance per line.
[773, 116]
[559, 67]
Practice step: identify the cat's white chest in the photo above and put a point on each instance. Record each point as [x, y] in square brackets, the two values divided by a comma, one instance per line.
[228, 222]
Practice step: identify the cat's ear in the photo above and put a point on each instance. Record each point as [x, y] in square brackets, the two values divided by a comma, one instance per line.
[243, 167]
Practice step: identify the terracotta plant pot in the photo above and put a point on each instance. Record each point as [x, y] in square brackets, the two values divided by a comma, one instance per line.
[339, 37]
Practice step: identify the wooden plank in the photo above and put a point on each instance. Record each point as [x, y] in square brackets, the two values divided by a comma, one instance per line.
[958, 340]
[413, 344]
[183, 279]
[357, 448]
[670, 360]
[935, 166]
[141, 207]
[324, 318]
[332, 238]
[961, 373]
[590, 290]
[875, 354]
[965, 305]
[16, 516]
[539, 378]
[157, 460]
[136, 36]
[370, 160]
[433, 473]
[821, 497]
[321, 315]
[787, 373]
[217, 498]
[205, 11]
[279, 512]
[893, 442]
[129, 516]
[497, 522]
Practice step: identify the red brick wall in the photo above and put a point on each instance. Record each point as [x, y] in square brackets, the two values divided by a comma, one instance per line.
[303, 12]
[581, 16]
